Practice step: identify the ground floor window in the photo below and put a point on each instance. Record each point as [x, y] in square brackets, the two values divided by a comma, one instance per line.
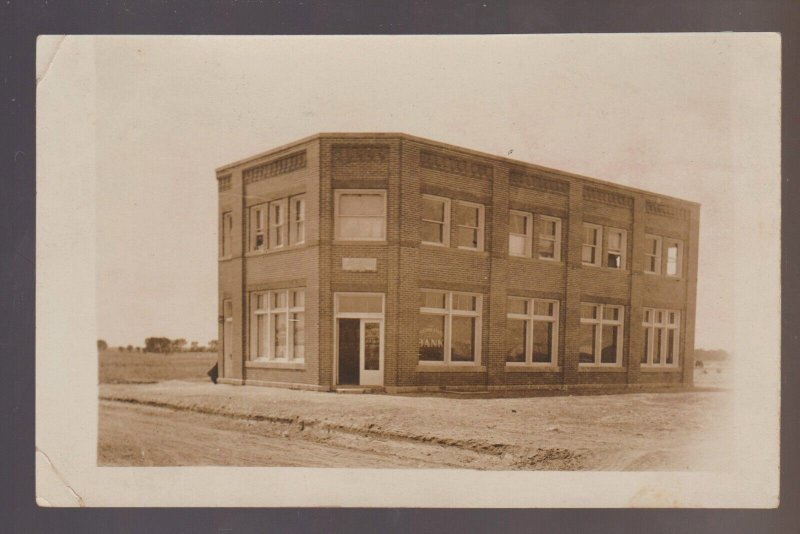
[449, 327]
[277, 325]
[601, 334]
[661, 341]
[531, 331]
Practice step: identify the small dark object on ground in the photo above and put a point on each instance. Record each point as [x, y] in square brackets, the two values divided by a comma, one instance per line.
[213, 373]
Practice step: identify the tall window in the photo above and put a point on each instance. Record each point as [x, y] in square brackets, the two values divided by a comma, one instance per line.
[297, 221]
[226, 234]
[469, 225]
[549, 238]
[519, 233]
[360, 215]
[615, 248]
[277, 223]
[673, 252]
[435, 220]
[449, 327]
[531, 331]
[601, 334]
[652, 254]
[258, 227]
[592, 237]
[277, 325]
[661, 344]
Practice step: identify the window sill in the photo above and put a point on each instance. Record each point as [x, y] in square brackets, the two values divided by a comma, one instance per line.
[340, 241]
[604, 268]
[225, 258]
[268, 251]
[548, 261]
[263, 364]
[449, 368]
[658, 369]
[594, 368]
[532, 368]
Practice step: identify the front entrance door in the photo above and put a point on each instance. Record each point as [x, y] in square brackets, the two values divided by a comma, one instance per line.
[349, 350]
[360, 352]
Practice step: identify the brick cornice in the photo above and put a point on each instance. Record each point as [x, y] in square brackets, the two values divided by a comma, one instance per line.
[607, 197]
[282, 165]
[437, 161]
[538, 181]
[667, 210]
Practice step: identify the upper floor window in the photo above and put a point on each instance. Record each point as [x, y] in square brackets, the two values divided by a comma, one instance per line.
[531, 331]
[435, 220]
[615, 248]
[673, 249]
[226, 234]
[592, 243]
[278, 223]
[661, 342]
[297, 226]
[277, 326]
[663, 255]
[468, 219]
[520, 230]
[439, 214]
[449, 327]
[616, 245]
[360, 215]
[601, 334]
[549, 238]
[652, 254]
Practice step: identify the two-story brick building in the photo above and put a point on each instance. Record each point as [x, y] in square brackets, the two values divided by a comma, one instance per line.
[386, 260]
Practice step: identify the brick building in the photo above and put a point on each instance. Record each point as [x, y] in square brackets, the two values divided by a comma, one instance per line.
[386, 260]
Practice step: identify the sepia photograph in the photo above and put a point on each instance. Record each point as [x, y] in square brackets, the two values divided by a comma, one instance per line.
[376, 269]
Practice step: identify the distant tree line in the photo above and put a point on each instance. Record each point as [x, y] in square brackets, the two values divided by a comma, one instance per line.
[163, 345]
[706, 355]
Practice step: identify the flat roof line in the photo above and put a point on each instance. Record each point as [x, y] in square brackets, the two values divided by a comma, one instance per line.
[447, 146]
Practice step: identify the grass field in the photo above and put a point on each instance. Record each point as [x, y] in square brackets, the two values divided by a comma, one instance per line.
[148, 368]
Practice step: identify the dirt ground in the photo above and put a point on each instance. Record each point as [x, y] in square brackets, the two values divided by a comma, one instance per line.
[198, 423]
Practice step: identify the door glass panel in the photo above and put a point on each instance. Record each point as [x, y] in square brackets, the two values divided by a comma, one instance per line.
[348, 350]
[372, 346]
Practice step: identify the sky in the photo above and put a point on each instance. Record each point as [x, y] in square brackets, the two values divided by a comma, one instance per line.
[650, 111]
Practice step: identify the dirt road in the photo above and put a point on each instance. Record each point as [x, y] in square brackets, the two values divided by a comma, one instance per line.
[139, 435]
[181, 423]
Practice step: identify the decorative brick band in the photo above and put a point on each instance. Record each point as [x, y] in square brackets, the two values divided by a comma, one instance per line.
[292, 162]
[607, 197]
[667, 210]
[346, 154]
[454, 165]
[539, 181]
[224, 182]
